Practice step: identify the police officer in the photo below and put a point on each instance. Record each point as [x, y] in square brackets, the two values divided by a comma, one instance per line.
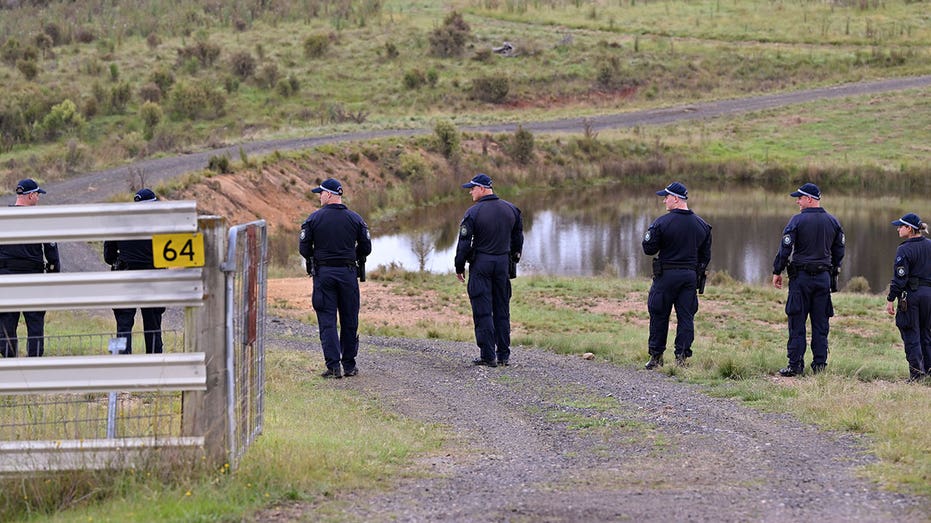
[911, 284]
[135, 255]
[683, 241]
[815, 241]
[334, 243]
[491, 239]
[26, 259]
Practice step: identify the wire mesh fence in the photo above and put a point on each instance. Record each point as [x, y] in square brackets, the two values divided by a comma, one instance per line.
[84, 416]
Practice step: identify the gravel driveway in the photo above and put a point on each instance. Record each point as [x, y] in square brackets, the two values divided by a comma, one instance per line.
[559, 438]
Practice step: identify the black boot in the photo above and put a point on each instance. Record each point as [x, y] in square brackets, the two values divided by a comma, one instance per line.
[655, 361]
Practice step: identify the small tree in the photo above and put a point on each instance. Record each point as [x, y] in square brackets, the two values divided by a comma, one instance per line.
[449, 39]
[447, 137]
[63, 118]
[522, 146]
[151, 114]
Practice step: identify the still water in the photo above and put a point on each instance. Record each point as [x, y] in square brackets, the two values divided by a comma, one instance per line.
[597, 231]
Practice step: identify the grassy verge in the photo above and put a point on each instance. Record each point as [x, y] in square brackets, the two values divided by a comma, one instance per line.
[317, 442]
[739, 346]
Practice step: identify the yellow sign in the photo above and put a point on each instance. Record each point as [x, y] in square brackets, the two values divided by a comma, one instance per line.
[178, 250]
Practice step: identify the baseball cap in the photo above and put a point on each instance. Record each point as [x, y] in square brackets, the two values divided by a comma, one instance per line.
[329, 185]
[675, 189]
[480, 180]
[809, 189]
[911, 219]
[28, 186]
[145, 195]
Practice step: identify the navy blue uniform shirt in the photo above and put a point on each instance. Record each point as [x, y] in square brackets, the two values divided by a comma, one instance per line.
[334, 234]
[132, 254]
[912, 260]
[491, 226]
[31, 257]
[811, 237]
[680, 237]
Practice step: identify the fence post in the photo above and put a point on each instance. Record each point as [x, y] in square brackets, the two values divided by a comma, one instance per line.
[205, 413]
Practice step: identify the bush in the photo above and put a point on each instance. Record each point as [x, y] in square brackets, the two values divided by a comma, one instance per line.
[432, 77]
[242, 65]
[316, 45]
[449, 39]
[202, 51]
[11, 51]
[120, 95]
[414, 79]
[43, 42]
[54, 32]
[151, 115]
[521, 149]
[150, 92]
[491, 89]
[163, 78]
[29, 68]
[84, 36]
[90, 108]
[219, 164]
[391, 51]
[447, 137]
[268, 75]
[195, 100]
[283, 88]
[858, 284]
[63, 118]
[153, 41]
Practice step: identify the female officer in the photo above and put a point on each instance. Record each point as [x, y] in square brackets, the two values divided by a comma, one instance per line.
[911, 284]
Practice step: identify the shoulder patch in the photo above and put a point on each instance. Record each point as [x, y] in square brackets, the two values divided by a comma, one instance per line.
[843, 239]
[463, 231]
[898, 259]
[900, 271]
[787, 240]
[303, 233]
[647, 236]
[368, 235]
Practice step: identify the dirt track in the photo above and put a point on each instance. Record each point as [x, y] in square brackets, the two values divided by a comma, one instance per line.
[559, 438]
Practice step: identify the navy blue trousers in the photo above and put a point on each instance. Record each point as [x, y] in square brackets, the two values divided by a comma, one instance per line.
[35, 330]
[915, 327]
[336, 292]
[674, 288]
[809, 298]
[151, 323]
[490, 294]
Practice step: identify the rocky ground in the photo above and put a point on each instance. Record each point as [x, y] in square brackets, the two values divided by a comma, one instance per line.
[560, 438]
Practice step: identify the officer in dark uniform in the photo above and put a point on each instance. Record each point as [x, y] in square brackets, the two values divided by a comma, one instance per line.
[334, 243]
[683, 241]
[491, 239]
[815, 241]
[26, 259]
[911, 284]
[135, 255]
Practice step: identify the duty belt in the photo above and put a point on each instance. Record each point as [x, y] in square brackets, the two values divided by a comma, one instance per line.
[678, 266]
[811, 268]
[335, 263]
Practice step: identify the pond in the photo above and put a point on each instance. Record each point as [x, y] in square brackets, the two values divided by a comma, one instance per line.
[598, 230]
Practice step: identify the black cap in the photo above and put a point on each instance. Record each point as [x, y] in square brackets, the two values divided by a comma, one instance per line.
[28, 186]
[809, 189]
[329, 185]
[145, 195]
[911, 219]
[480, 180]
[675, 189]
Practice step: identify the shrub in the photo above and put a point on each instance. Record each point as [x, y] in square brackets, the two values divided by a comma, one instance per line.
[151, 114]
[449, 39]
[219, 164]
[153, 41]
[242, 65]
[316, 45]
[391, 51]
[202, 51]
[195, 100]
[231, 84]
[63, 118]
[432, 77]
[120, 95]
[521, 149]
[11, 51]
[114, 72]
[54, 32]
[150, 92]
[447, 137]
[163, 78]
[414, 79]
[84, 36]
[858, 284]
[90, 108]
[29, 68]
[283, 88]
[267, 75]
[492, 89]
[43, 42]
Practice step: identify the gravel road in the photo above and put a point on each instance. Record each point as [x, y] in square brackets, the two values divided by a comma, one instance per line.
[559, 438]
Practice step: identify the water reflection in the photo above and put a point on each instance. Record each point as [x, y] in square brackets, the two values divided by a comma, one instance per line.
[598, 232]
